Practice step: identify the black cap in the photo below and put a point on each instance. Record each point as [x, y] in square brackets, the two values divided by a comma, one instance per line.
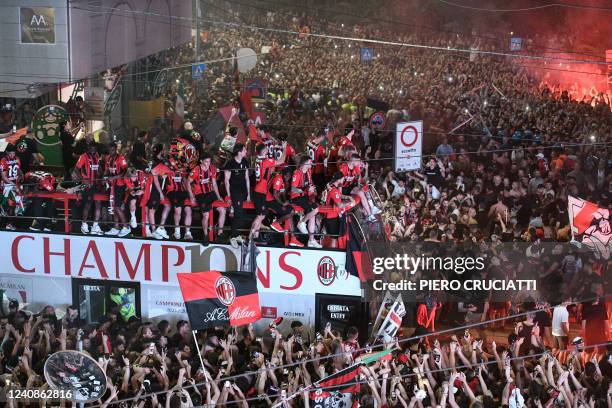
[11, 148]
[296, 323]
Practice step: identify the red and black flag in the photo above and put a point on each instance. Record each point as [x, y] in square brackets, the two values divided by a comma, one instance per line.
[338, 387]
[220, 298]
[358, 260]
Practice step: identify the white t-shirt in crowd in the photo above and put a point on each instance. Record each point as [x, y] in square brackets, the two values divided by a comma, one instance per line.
[560, 316]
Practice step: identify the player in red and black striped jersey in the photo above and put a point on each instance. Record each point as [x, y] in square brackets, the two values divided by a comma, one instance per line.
[138, 185]
[342, 148]
[179, 198]
[317, 154]
[203, 190]
[115, 170]
[160, 170]
[281, 148]
[332, 197]
[264, 166]
[10, 177]
[353, 183]
[42, 207]
[90, 172]
[302, 189]
[278, 204]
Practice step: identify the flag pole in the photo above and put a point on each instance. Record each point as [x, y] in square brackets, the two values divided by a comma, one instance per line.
[198, 349]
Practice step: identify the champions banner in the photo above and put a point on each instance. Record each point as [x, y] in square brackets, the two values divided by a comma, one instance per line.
[220, 298]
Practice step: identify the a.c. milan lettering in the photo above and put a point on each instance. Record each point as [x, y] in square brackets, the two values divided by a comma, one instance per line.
[215, 298]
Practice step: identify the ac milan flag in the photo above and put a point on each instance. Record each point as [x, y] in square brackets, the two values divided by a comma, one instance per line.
[336, 390]
[358, 260]
[215, 298]
[591, 224]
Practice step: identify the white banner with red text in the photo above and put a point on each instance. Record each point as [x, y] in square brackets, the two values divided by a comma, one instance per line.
[48, 262]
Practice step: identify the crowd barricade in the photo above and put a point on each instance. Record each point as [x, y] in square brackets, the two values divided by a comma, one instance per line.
[65, 198]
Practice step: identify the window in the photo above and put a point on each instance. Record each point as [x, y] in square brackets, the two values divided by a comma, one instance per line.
[96, 297]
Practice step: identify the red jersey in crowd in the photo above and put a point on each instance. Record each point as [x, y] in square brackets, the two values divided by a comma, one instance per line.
[316, 152]
[263, 171]
[351, 176]
[543, 166]
[301, 181]
[89, 167]
[332, 198]
[202, 179]
[277, 184]
[276, 152]
[115, 166]
[11, 167]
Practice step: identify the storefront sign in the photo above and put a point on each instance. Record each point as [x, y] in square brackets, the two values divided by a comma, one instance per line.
[37, 25]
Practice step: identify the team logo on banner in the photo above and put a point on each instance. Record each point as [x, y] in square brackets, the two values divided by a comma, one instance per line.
[226, 292]
[214, 298]
[326, 271]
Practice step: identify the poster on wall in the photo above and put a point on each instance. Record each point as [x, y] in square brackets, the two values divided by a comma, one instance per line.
[37, 25]
[16, 288]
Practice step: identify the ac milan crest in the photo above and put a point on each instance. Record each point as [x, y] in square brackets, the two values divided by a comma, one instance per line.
[326, 271]
[226, 292]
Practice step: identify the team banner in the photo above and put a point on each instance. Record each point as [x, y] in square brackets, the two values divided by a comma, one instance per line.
[336, 390]
[590, 225]
[215, 298]
[393, 320]
[408, 146]
[385, 306]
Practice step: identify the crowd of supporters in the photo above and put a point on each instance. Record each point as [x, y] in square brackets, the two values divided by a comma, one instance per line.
[154, 365]
[528, 146]
[503, 176]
